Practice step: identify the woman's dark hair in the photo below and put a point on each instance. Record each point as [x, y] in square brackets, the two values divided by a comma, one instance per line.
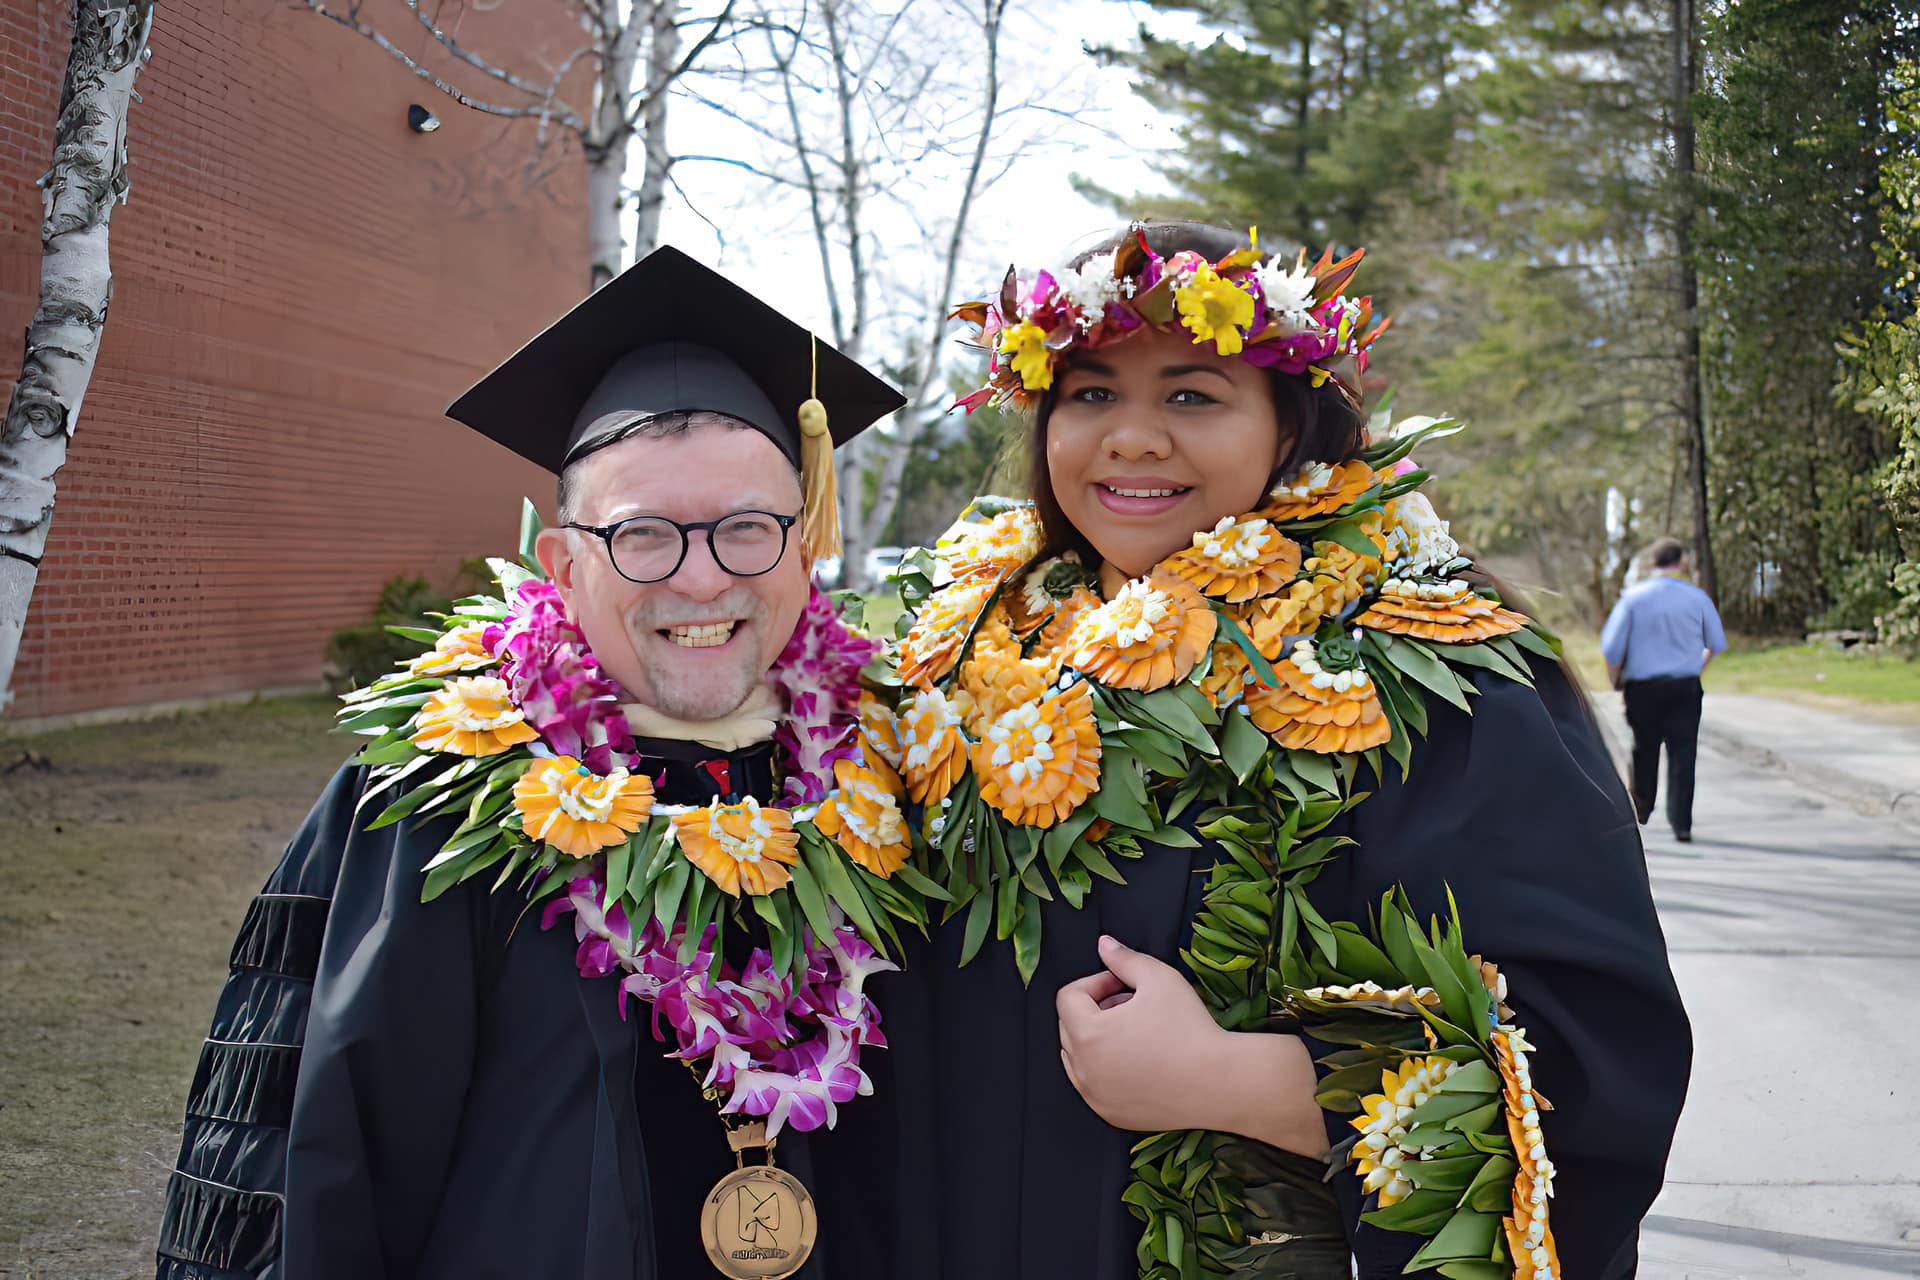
[1326, 425]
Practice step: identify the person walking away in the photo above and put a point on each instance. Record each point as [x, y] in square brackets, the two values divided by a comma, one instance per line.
[1660, 637]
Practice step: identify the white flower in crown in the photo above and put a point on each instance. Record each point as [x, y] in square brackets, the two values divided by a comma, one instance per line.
[1417, 538]
[1089, 288]
[1288, 291]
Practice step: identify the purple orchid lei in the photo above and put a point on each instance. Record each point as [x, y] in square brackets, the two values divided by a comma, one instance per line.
[779, 1049]
[785, 1050]
[556, 681]
[819, 674]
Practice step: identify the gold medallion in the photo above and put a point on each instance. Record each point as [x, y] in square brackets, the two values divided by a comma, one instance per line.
[758, 1224]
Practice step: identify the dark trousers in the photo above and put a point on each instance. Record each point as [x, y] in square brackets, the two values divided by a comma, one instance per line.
[1664, 711]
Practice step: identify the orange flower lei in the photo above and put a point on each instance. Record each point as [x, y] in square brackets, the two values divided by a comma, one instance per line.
[1314, 627]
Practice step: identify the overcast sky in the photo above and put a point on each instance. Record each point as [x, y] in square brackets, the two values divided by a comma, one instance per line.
[1032, 215]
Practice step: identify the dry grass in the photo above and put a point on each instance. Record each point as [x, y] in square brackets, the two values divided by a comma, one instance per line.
[126, 864]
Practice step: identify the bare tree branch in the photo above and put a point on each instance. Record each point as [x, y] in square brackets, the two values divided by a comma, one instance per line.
[815, 209]
[872, 521]
[719, 232]
[752, 126]
[700, 46]
[765, 175]
[544, 110]
[454, 47]
[850, 166]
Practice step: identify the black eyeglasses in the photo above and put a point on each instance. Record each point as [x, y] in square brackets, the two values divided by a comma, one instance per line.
[645, 549]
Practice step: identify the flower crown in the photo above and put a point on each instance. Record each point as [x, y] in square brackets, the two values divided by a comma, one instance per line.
[1269, 312]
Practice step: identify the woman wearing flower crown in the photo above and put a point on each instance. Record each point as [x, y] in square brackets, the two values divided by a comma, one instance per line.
[1272, 842]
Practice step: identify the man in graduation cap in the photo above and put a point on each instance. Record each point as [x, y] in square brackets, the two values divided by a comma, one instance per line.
[394, 1087]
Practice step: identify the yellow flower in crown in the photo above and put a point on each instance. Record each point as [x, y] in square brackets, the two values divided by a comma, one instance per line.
[1215, 309]
[1378, 1155]
[1316, 488]
[1039, 761]
[575, 810]
[935, 751]
[928, 650]
[460, 649]
[1149, 635]
[991, 548]
[1326, 701]
[1449, 612]
[740, 846]
[1025, 346]
[863, 817]
[471, 716]
[1237, 559]
[1529, 1234]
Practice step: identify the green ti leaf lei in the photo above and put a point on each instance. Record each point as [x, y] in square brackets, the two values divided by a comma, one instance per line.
[1318, 679]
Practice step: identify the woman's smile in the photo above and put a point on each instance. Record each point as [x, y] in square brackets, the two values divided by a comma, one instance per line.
[1157, 439]
[1140, 496]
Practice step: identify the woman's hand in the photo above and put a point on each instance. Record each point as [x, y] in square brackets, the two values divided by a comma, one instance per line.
[1147, 1056]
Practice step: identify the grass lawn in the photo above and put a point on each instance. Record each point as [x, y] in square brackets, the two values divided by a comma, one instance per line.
[1815, 674]
[1816, 670]
[128, 854]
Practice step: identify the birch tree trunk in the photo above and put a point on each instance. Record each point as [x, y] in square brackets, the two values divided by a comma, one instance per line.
[88, 177]
[663, 50]
[606, 140]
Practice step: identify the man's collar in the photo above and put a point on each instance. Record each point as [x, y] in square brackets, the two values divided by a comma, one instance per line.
[752, 722]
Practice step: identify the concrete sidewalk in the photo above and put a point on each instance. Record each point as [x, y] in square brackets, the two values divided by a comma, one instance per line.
[1792, 920]
[1683, 1249]
[1871, 766]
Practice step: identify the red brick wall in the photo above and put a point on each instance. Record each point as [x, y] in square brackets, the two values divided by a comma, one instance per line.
[301, 284]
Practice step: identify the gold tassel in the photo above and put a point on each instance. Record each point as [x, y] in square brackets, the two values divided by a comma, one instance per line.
[820, 519]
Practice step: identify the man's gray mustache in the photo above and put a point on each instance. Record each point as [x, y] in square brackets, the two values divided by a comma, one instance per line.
[721, 610]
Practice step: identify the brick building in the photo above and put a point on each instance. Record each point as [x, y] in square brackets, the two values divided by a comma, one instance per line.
[301, 283]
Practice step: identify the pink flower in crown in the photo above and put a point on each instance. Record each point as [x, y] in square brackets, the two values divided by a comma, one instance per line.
[1039, 298]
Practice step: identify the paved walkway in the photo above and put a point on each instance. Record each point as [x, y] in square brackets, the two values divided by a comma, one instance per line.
[1794, 924]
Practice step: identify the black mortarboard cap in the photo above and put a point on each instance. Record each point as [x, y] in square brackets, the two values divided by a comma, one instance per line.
[668, 334]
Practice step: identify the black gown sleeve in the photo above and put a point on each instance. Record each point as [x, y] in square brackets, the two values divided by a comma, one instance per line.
[1519, 809]
[389, 1055]
[223, 1213]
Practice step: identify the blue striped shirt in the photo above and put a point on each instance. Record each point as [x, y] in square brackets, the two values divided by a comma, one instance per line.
[1664, 626]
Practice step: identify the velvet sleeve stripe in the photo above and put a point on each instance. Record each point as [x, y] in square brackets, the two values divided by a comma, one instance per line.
[252, 1083]
[257, 1007]
[231, 1230]
[235, 1154]
[224, 1203]
[282, 935]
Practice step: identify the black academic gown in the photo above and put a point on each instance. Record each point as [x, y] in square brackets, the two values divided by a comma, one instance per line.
[997, 1170]
[396, 1089]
